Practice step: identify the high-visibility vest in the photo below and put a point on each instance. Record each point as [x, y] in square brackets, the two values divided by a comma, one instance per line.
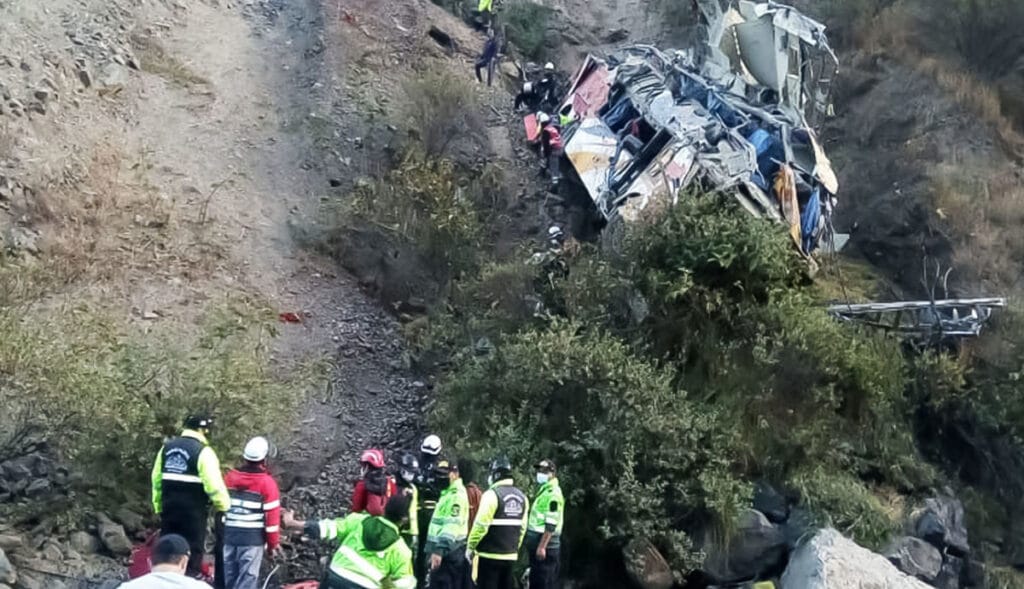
[449, 525]
[548, 509]
[365, 566]
[181, 486]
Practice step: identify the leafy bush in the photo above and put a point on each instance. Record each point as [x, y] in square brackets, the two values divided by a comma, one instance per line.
[115, 395]
[421, 203]
[706, 327]
[584, 400]
[527, 24]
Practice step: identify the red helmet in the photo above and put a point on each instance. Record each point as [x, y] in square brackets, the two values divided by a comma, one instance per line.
[373, 457]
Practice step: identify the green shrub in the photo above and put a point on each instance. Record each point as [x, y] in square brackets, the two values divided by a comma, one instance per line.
[584, 400]
[527, 24]
[422, 203]
[843, 502]
[114, 394]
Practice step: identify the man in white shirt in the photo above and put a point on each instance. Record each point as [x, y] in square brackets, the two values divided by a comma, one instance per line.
[169, 559]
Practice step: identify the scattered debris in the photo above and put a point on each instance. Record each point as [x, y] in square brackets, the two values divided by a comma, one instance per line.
[289, 317]
[645, 123]
[923, 320]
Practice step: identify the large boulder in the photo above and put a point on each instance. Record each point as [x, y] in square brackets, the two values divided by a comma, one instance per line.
[915, 557]
[113, 537]
[646, 566]
[830, 561]
[941, 522]
[8, 575]
[84, 543]
[756, 549]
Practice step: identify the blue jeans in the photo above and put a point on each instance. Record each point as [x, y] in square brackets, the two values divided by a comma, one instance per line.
[242, 566]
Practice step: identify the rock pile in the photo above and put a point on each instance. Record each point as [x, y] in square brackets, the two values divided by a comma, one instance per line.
[936, 549]
[44, 559]
[32, 477]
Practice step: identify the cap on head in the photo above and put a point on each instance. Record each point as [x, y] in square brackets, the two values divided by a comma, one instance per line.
[549, 67]
[256, 449]
[542, 118]
[444, 467]
[546, 466]
[199, 421]
[431, 445]
[169, 548]
[373, 457]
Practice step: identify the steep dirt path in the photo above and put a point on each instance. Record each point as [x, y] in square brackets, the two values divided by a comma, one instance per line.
[250, 141]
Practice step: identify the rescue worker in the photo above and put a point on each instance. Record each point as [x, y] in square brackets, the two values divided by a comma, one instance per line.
[375, 487]
[550, 148]
[488, 57]
[428, 489]
[169, 558]
[499, 529]
[544, 531]
[253, 522]
[186, 479]
[486, 13]
[370, 554]
[539, 94]
[446, 535]
[408, 467]
[467, 470]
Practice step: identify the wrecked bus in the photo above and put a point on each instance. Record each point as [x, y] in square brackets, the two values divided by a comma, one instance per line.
[732, 114]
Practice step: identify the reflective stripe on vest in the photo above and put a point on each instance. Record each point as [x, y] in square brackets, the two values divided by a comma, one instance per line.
[245, 521]
[182, 478]
[367, 575]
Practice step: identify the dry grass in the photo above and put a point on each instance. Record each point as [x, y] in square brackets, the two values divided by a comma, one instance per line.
[113, 222]
[153, 58]
[901, 32]
[984, 214]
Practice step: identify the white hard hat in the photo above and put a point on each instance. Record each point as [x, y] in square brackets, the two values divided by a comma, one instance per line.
[256, 450]
[431, 445]
[549, 66]
[542, 117]
[555, 231]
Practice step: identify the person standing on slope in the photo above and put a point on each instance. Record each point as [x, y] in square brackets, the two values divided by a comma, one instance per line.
[186, 479]
[446, 535]
[544, 533]
[499, 529]
[407, 469]
[252, 525]
[370, 554]
[375, 487]
[429, 489]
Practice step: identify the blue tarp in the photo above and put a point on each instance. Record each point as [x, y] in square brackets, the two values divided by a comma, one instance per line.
[809, 219]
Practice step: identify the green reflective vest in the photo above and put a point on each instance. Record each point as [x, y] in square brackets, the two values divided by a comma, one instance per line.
[386, 559]
[548, 511]
[413, 527]
[450, 523]
[484, 6]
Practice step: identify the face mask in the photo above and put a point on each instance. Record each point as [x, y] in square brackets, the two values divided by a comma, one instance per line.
[490, 480]
[407, 476]
[542, 478]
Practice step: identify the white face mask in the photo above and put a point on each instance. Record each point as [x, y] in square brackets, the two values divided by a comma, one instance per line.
[408, 476]
[542, 478]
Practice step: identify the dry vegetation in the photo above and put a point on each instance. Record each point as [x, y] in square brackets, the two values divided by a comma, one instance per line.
[153, 58]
